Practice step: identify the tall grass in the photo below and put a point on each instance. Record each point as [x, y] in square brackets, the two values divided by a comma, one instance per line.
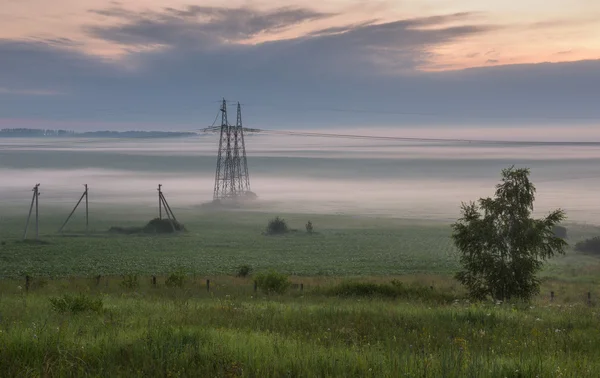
[233, 333]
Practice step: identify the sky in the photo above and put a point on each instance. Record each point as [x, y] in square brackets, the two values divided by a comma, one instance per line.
[157, 64]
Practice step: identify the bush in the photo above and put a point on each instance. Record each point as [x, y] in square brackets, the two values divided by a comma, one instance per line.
[76, 304]
[591, 246]
[395, 289]
[244, 271]
[277, 226]
[309, 227]
[162, 226]
[273, 282]
[130, 281]
[363, 289]
[176, 279]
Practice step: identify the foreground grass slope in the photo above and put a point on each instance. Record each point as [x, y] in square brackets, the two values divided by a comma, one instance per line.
[234, 332]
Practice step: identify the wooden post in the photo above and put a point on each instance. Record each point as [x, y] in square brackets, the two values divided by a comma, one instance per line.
[33, 199]
[589, 299]
[551, 296]
[301, 287]
[255, 286]
[98, 277]
[87, 211]
[154, 281]
[159, 202]
[75, 208]
[37, 216]
[27, 281]
[207, 285]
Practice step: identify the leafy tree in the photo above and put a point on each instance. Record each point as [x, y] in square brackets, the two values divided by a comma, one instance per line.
[309, 227]
[277, 226]
[501, 246]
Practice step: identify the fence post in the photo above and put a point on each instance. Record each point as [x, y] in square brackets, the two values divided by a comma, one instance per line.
[589, 299]
[301, 287]
[551, 296]
[207, 285]
[154, 281]
[27, 281]
[255, 286]
[98, 277]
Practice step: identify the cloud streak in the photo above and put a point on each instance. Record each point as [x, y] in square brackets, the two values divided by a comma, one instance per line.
[197, 24]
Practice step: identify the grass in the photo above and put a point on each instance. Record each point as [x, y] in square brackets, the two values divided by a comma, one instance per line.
[378, 300]
[234, 332]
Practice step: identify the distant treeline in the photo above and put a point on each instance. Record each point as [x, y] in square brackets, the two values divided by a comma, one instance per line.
[37, 133]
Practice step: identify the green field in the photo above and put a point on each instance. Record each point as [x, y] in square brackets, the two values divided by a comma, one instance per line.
[430, 330]
[218, 242]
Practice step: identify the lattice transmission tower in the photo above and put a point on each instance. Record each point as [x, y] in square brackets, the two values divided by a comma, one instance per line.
[231, 178]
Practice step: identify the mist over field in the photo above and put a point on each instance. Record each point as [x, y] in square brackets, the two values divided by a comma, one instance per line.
[300, 174]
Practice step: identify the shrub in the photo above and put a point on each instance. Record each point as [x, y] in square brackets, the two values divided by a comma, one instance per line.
[272, 282]
[176, 279]
[244, 271]
[76, 304]
[277, 226]
[363, 289]
[162, 226]
[395, 289]
[130, 281]
[591, 246]
[309, 227]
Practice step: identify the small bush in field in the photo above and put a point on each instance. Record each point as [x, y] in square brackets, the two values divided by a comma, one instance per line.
[272, 282]
[176, 279]
[309, 227]
[76, 304]
[277, 226]
[130, 281]
[244, 271]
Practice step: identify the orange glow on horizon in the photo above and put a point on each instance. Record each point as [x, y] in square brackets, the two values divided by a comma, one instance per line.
[539, 31]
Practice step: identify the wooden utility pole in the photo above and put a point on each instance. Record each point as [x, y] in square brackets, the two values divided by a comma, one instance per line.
[34, 199]
[87, 210]
[85, 194]
[159, 201]
[162, 203]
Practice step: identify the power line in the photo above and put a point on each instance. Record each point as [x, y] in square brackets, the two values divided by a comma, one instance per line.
[404, 139]
[429, 114]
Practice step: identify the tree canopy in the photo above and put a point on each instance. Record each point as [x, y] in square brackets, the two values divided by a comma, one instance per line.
[501, 246]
